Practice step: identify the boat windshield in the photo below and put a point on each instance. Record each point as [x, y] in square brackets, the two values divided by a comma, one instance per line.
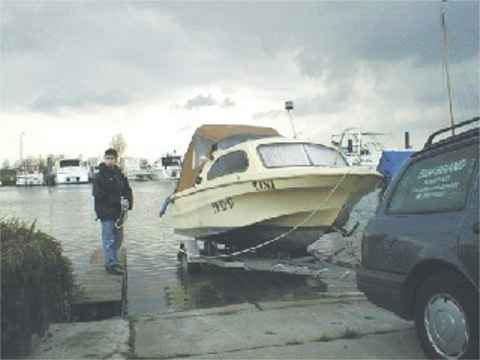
[297, 154]
[67, 163]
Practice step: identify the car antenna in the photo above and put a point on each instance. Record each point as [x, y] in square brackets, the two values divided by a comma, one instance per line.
[445, 64]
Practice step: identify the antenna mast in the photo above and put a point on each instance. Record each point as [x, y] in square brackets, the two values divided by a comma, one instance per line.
[289, 107]
[445, 64]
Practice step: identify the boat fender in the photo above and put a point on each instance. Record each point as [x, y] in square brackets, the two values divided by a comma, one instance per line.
[163, 208]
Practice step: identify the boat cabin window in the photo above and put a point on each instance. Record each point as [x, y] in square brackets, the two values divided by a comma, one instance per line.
[67, 163]
[295, 154]
[231, 163]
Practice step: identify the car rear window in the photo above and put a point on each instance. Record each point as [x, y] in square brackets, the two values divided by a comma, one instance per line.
[437, 183]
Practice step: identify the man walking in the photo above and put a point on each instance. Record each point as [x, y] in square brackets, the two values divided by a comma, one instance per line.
[109, 187]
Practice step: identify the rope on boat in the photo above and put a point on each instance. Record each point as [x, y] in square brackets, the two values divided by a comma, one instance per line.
[281, 236]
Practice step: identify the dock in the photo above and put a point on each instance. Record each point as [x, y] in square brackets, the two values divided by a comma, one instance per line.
[100, 295]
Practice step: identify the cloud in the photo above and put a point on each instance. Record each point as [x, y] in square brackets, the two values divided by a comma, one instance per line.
[156, 49]
[371, 64]
[200, 101]
[271, 114]
[227, 103]
[57, 101]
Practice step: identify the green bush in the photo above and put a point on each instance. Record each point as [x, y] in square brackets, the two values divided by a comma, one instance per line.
[8, 176]
[37, 285]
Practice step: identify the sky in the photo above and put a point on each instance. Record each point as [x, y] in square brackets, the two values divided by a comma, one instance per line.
[74, 73]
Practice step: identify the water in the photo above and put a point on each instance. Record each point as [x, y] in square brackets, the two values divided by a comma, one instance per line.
[156, 281]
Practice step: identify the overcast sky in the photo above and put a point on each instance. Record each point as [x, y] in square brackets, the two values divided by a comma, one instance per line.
[74, 73]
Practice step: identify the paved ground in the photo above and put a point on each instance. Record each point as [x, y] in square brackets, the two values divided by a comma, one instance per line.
[395, 345]
[340, 328]
[322, 328]
[107, 339]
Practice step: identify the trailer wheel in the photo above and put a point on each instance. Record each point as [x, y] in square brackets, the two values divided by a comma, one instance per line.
[189, 268]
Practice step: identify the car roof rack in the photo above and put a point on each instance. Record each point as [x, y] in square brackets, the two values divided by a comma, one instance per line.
[441, 131]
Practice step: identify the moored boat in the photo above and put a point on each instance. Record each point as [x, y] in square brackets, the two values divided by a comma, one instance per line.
[71, 171]
[167, 168]
[34, 178]
[244, 185]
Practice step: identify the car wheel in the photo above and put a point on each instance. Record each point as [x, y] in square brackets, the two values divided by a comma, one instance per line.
[446, 317]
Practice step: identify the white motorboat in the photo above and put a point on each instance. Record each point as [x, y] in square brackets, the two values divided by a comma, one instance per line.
[243, 185]
[132, 168]
[29, 179]
[360, 148]
[167, 168]
[71, 171]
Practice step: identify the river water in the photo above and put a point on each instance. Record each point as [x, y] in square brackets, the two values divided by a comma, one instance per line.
[156, 282]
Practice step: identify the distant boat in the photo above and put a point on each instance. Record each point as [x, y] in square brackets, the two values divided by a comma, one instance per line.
[131, 167]
[71, 171]
[364, 148]
[167, 168]
[360, 148]
[30, 179]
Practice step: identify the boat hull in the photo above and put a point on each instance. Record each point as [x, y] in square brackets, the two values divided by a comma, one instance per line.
[72, 179]
[297, 210]
[166, 176]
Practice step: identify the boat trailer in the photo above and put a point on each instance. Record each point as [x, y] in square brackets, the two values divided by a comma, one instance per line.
[193, 259]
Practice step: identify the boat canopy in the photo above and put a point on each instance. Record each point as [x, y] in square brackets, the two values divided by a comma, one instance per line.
[208, 138]
[392, 161]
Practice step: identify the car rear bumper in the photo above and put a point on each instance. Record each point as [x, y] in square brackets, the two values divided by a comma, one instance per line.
[383, 289]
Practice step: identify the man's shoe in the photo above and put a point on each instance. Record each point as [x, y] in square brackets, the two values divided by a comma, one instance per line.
[114, 270]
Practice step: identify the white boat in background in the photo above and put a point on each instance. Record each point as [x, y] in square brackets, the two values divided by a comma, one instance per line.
[71, 171]
[131, 167]
[167, 168]
[30, 179]
[243, 185]
[360, 148]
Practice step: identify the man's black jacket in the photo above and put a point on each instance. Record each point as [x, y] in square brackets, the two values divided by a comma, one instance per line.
[108, 186]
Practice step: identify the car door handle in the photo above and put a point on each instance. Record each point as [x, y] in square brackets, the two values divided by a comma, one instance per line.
[476, 228]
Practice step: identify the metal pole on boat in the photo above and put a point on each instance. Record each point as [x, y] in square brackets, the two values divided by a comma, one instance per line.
[407, 140]
[445, 64]
[289, 107]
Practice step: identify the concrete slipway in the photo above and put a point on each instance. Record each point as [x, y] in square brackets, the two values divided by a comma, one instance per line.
[340, 327]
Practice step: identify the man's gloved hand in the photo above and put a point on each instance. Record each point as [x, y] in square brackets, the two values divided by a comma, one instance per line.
[125, 204]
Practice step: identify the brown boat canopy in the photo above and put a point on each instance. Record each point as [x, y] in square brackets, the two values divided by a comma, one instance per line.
[210, 137]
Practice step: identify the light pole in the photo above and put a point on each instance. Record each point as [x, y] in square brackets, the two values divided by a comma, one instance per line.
[289, 107]
[22, 134]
